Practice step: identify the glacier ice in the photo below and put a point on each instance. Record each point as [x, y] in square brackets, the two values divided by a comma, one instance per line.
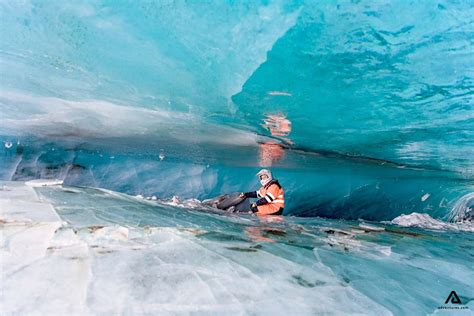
[377, 110]
[316, 185]
[118, 117]
[114, 253]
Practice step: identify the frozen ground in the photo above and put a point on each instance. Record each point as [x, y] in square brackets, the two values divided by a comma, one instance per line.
[69, 250]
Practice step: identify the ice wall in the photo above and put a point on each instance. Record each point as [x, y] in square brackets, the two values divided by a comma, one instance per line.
[385, 80]
[315, 185]
[361, 109]
[177, 55]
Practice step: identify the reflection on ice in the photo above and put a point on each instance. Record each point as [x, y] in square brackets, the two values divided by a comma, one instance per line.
[111, 253]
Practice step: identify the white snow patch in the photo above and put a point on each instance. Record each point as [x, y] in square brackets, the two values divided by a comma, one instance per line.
[427, 222]
[43, 182]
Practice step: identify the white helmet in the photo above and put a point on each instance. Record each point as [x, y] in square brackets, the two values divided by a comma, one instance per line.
[265, 172]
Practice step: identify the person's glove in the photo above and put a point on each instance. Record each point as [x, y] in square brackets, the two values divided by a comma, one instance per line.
[253, 208]
[242, 195]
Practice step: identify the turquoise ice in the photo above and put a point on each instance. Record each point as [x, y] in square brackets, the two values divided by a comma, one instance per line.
[363, 110]
[195, 82]
[376, 98]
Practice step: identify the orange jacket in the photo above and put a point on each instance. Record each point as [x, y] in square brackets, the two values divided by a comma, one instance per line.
[273, 194]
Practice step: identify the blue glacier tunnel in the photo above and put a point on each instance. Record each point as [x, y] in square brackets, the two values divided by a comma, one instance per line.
[360, 109]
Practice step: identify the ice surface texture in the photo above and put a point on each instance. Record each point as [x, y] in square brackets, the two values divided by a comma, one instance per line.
[70, 250]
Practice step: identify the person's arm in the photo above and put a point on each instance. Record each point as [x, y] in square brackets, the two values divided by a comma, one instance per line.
[269, 197]
[262, 201]
[252, 194]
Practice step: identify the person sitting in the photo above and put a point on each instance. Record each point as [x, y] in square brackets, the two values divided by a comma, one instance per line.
[271, 195]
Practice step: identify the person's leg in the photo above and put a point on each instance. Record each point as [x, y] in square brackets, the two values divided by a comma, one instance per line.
[243, 207]
[268, 209]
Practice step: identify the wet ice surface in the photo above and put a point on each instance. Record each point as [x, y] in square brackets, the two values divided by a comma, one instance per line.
[89, 251]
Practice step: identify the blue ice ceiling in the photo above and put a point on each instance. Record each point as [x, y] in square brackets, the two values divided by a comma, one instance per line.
[362, 108]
